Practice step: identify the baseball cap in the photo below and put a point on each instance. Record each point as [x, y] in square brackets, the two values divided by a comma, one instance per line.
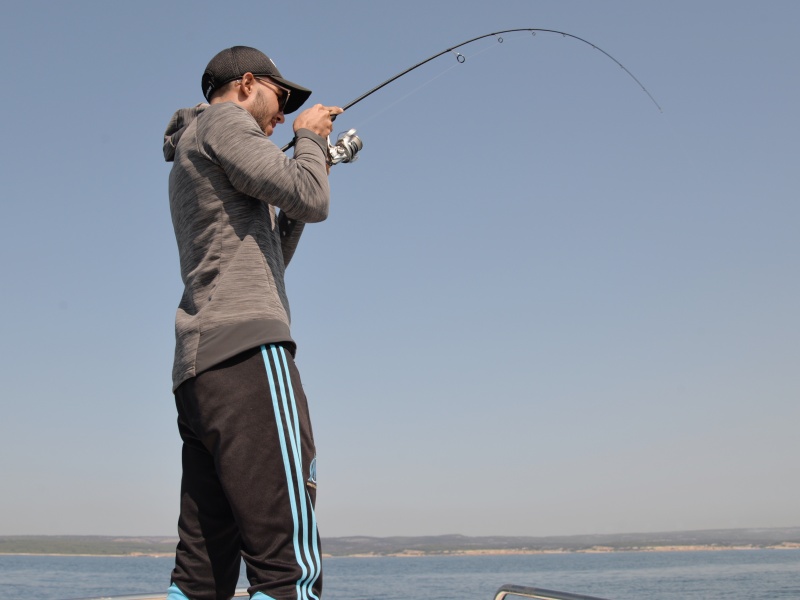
[232, 63]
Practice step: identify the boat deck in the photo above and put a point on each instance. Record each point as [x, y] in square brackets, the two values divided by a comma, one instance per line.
[505, 592]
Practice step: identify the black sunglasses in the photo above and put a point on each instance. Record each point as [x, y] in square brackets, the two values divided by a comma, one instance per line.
[283, 99]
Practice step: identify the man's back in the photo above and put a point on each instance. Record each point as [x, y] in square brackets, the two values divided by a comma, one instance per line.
[226, 180]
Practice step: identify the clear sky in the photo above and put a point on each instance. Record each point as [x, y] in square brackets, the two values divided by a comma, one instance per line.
[539, 306]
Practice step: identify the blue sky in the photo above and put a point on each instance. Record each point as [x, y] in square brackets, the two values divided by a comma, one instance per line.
[539, 306]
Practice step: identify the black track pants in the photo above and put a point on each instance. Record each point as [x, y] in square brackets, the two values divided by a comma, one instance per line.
[249, 481]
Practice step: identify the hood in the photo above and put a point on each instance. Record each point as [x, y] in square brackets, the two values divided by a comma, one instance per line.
[177, 125]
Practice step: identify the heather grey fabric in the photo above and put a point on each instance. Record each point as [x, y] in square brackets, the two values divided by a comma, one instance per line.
[226, 182]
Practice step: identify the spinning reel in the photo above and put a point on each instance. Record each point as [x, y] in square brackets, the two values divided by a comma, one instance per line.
[346, 148]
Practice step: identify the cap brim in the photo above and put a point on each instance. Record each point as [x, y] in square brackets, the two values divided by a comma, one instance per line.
[298, 96]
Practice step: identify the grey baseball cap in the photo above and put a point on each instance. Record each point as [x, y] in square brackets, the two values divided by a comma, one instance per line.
[232, 63]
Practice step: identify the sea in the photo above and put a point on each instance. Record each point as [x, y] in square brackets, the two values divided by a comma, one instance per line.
[701, 575]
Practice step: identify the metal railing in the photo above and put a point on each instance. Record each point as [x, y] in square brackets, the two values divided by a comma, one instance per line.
[539, 593]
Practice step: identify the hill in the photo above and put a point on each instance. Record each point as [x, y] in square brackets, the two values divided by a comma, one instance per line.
[435, 545]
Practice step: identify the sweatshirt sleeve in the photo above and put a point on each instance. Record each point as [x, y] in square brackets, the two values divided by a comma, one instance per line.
[255, 166]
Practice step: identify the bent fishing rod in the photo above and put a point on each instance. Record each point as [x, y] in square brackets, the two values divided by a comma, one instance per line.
[348, 145]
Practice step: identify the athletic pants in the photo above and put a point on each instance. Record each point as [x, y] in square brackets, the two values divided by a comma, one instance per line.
[249, 482]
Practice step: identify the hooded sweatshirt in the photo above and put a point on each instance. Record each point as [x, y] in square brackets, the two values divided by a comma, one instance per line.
[226, 182]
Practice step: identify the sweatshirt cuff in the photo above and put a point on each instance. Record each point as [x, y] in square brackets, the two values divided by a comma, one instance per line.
[316, 138]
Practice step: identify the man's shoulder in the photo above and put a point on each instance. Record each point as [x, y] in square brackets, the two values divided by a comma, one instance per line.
[224, 120]
[226, 111]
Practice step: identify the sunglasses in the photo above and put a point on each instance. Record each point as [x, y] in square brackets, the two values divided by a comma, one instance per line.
[283, 98]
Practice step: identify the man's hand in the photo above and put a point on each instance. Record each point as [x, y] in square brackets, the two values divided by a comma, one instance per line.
[318, 119]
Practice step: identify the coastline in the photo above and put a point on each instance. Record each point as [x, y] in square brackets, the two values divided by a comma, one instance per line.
[787, 538]
[471, 552]
[593, 550]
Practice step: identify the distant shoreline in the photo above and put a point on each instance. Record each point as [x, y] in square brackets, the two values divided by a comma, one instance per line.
[596, 550]
[131, 555]
[436, 545]
[472, 552]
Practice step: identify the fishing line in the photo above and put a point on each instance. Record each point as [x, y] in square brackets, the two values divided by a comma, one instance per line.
[349, 154]
[404, 96]
[425, 84]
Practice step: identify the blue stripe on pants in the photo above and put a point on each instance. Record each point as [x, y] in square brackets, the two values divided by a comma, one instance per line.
[287, 422]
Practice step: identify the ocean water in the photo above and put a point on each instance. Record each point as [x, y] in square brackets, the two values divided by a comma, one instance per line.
[711, 575]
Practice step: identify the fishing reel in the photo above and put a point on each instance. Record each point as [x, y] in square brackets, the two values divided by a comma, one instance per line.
[346, 148]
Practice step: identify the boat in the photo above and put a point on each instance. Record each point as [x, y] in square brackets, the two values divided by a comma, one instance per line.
[508, 591]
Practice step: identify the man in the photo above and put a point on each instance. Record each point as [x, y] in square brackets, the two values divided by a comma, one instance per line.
[238, 207]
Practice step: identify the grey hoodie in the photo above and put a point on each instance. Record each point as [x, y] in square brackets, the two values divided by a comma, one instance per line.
[227, 180]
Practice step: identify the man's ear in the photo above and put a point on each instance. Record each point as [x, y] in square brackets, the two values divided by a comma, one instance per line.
[247, 85]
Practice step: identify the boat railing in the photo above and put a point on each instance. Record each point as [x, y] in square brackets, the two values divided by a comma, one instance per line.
[538, 593]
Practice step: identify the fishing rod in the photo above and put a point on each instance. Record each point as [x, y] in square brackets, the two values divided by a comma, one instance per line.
[349, 144]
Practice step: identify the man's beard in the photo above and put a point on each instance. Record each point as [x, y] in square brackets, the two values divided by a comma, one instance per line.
[261, 112]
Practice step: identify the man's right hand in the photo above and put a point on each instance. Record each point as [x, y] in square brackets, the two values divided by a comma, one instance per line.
[318, 119]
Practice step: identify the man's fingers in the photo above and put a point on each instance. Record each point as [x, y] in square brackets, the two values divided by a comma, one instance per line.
[333, 110]
[319, 119]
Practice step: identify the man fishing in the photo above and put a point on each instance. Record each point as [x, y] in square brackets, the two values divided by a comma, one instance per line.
[239, 206]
